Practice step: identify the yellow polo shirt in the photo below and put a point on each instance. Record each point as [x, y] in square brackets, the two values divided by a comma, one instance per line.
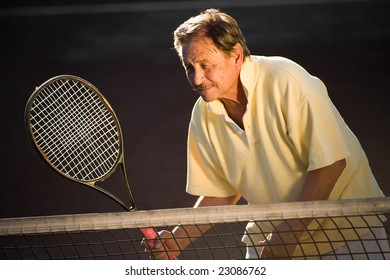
[291, 127]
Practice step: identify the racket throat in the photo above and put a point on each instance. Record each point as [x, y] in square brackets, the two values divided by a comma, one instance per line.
[133, 206]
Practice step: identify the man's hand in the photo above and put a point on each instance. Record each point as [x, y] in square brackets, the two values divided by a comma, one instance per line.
[284, 239]
[169, 244]
[163, 248]
[275, 246]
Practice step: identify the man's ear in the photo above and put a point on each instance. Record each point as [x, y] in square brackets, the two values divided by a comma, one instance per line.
[238, 54]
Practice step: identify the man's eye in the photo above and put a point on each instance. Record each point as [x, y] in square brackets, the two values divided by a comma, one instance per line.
[188, 67]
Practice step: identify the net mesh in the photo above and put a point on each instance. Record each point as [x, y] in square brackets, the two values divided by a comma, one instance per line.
[345, 229]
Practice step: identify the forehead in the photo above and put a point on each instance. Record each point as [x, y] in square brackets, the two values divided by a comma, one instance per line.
[199, 48]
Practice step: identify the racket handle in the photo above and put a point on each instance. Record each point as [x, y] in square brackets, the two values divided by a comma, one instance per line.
[151, 235]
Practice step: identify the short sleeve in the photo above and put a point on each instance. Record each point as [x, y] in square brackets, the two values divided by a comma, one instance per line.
[204, 175]
[317, 132]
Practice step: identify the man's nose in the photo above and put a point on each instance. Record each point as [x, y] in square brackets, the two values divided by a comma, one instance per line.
[198, 77]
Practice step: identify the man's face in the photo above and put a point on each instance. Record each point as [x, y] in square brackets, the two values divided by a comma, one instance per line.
[211, 72]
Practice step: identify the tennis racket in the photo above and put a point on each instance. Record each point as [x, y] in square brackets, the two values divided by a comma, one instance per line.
[76, 131]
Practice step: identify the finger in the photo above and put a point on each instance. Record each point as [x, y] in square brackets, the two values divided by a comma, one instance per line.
[172, 256]
[147, 245]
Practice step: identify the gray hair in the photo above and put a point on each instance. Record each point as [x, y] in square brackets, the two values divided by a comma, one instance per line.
[221, 28]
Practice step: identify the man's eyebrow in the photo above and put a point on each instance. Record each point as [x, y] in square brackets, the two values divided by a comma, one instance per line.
[199, 61]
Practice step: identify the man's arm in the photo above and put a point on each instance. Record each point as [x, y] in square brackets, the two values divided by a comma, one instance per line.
[195, 231]
[320, 182]
[318, 186]
[178, 240]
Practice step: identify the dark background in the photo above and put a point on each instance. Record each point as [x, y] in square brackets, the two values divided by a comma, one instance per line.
[126, 51]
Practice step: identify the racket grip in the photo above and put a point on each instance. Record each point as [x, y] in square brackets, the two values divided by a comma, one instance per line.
[151, 235]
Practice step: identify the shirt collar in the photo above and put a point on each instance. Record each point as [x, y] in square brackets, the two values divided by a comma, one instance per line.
[248, 74]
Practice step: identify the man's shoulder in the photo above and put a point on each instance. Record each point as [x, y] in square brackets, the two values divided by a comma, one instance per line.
[277, 63]
[198, 109]
[284, 69]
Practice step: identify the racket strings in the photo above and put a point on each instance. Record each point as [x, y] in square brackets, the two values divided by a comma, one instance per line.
[87, 132]
[58, 120]
[94, 140]
[81, 127]
[75, 130]
[56, 133]
[47, 120]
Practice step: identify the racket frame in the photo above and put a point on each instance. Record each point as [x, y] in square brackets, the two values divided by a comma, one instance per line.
[120, 160]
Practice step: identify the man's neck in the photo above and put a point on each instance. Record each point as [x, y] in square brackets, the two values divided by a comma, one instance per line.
[236, 109]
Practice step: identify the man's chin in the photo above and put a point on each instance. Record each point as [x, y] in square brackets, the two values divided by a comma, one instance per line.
[207, 97]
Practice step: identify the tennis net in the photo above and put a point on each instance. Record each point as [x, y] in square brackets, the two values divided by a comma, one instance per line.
[343, 229]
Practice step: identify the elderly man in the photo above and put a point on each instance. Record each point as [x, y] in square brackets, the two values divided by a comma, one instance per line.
[264, 129]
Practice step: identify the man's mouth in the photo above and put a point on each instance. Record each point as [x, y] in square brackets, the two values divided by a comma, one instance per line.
[202, 87]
